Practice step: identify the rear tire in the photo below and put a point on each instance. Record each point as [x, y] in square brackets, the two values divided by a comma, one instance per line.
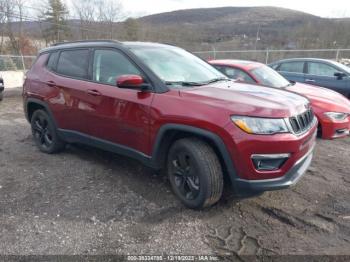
[45, 134]
[195, 173]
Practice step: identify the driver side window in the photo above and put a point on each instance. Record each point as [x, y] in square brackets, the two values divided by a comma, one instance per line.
[321, 69]
[109, 65]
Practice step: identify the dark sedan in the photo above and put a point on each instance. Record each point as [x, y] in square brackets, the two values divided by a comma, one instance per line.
[319, 72]
[2, 87]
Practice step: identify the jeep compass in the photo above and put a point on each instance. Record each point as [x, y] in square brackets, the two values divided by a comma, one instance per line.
[170, 110]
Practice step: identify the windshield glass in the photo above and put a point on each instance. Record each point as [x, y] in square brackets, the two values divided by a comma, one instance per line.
[175, 65]
[343, 67]
[269, 77]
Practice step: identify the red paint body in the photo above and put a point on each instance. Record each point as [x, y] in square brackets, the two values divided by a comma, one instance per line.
[133, 118]
[322, 100]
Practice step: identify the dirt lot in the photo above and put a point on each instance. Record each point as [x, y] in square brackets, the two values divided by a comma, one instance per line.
[86, 201]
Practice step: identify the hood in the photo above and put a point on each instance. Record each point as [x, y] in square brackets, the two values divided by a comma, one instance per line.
[322, 98]
[247, 99]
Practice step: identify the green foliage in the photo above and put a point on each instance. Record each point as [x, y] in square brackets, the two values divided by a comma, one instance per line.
[55, 15]
[7, 64]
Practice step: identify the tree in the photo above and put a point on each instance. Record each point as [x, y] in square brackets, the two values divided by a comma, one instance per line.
[97, 17]
[55, 17]
[2, 24]
[131, 29]
[13, 12]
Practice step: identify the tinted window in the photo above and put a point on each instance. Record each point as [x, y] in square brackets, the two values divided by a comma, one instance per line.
[294, 67]
[74, 63]
[51, 63]
[109, 65]
[321, 69]
[235, 73]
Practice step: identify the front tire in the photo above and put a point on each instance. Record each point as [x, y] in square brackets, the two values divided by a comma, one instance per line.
[45, 134]
[195, 173]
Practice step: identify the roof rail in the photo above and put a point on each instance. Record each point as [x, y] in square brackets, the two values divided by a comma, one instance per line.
[86, 41]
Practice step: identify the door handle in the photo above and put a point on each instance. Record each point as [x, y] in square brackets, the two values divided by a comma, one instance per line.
[51, 83]
[310, 80]
[93, 92]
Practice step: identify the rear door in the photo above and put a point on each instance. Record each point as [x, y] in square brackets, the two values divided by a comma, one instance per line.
[118, 115]
[322, 74]
[68, 75]
[293, 71]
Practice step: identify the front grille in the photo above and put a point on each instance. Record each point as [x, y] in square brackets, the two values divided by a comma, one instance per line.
[303, 122]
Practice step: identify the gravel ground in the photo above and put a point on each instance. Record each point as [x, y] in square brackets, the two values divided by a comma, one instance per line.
[86, 201]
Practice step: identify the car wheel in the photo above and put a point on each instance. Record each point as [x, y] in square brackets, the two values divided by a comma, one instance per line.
[1, 96]
[195, 173]
[45, 134]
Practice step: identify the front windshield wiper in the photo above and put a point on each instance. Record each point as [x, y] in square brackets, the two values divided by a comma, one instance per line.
[188, 83]
[184, 83]
[214, 80]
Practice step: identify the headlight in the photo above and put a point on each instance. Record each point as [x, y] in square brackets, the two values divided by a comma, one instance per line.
[335, 116]
[260, 126]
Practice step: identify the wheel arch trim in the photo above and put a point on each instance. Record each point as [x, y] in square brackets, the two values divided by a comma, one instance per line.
[197, 132]
[29, 101]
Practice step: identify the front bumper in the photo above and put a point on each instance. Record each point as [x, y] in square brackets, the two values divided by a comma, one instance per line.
[289, 179]
[333, 130]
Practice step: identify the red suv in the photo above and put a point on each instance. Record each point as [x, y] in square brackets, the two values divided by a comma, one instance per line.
[169, 109]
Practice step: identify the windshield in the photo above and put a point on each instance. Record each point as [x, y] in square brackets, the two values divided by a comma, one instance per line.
[341, 66]
[269, 77]
[177, 66]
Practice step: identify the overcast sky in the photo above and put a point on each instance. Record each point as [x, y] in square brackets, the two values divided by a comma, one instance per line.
[324, 8]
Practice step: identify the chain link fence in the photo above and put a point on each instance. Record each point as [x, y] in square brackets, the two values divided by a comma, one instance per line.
[15, 63]
[23, 63]
[269, 56]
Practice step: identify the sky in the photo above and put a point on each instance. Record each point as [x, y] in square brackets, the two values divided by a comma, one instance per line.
[324, 8]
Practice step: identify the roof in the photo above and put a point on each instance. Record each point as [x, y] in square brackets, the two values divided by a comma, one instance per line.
[101, 43]
[243, 64]
[303, 59]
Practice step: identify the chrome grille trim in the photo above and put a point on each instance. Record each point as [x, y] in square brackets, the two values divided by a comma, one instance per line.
[301, 123]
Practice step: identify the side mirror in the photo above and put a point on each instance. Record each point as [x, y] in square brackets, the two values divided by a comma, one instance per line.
[130, 81]
[339, 75]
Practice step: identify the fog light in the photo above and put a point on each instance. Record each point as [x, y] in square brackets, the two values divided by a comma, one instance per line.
[269, 162]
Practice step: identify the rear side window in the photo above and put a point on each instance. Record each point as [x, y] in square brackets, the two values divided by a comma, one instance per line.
[51, 63]
[74, 63]
[293, 67]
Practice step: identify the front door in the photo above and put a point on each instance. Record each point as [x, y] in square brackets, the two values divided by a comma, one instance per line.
[322, 74]
[118, 115]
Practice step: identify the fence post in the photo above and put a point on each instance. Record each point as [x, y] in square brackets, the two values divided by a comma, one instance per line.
[337, 55]
[267, 56]
[23, 64]
[214, 52]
